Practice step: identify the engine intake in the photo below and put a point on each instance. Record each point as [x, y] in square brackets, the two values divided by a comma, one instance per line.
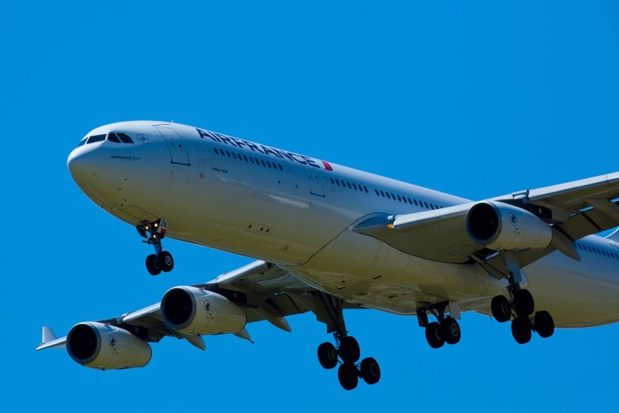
[500, 226]
[105, 347]
[197, 311]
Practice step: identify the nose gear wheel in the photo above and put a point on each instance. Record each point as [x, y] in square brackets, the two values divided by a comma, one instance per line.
[154, 232]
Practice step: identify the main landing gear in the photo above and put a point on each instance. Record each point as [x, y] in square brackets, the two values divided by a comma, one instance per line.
[445, 330]
[347, 353]
[521, 307]
[154, 232]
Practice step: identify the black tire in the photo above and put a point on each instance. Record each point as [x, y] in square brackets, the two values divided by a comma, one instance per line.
[347, 374]
[521, 330]
[450, 331]
[433, 335]
[350, 352]
[327, 355]
[165, 260]
[501, 310]
[370, 370]
[152, 265]
[523, 303]
[544, 324]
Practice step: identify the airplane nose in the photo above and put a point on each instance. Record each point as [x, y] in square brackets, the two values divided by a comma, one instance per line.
[83, 163]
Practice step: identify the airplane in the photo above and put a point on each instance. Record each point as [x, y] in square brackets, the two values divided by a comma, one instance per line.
[326, 238]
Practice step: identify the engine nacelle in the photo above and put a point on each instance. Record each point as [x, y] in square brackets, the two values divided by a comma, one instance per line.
[197, 311]
[105, 347]
[501, 226]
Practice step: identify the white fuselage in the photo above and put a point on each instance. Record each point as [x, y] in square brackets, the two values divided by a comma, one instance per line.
[296, 211]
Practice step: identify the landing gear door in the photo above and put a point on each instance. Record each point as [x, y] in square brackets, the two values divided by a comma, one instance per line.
[178, 151]
[316, 187]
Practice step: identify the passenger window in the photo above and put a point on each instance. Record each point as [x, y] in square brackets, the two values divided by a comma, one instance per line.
[124, 138]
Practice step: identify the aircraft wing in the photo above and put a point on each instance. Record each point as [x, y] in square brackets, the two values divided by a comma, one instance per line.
[573, 210]
[263, 290]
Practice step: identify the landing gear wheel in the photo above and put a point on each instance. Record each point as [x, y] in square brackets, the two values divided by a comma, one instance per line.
[501, 310]
[327, 355]
[165, 260]
[523, 303]
[521, 330]
[152, 265]
[435, 340]
[450, 331]
[544, 324]
[347, 374]
[349, 350]
[370, 370]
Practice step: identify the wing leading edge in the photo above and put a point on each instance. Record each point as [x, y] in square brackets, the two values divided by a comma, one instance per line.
[262, 290]
[573, 210]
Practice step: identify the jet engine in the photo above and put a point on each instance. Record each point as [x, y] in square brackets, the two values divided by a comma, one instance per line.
[197, 311]
[106, 347]
[500, 226]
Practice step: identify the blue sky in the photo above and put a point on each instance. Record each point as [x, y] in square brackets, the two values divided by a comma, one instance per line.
[473, 98]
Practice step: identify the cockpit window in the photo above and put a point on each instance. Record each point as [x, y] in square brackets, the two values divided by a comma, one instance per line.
[112, 137]
[124, 138]
[96, 138]
[82, 142]
[119, 137]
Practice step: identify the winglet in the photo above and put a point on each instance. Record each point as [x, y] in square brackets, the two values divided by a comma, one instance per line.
[50, 340]
[48, 335]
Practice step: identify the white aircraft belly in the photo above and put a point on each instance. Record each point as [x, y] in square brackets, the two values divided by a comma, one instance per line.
[368, 272]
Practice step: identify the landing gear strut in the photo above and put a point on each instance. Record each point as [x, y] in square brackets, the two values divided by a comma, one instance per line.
[445, 330]
[154, 232]
[347, 353]
[521, 307]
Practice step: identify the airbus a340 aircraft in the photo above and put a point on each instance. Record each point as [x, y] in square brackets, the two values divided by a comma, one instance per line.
[328, 238]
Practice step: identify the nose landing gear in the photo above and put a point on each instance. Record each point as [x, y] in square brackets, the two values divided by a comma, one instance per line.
[154, 232]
